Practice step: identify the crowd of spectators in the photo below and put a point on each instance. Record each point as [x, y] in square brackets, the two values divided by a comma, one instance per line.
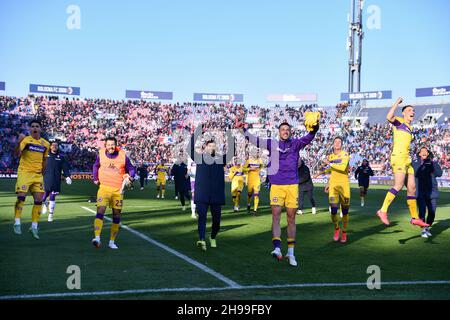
[153, 132]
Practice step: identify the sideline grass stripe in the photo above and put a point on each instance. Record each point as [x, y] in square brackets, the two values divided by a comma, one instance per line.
[217, 289]
[204, 268]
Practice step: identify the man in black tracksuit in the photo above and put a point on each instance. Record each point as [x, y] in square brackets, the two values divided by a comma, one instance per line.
[363, 174]
[305, 186]
[209, 184]
[56, 164]
[426, 170]
[179, 172]
[143, 174]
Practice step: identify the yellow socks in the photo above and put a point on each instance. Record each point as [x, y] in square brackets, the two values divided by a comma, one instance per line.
[345, 219]
[98, 224]
[256, 199]
[412, 205]
[19, 207]
[390, 196]
[36, 211]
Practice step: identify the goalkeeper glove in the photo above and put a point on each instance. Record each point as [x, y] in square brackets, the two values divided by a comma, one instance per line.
[312, 121]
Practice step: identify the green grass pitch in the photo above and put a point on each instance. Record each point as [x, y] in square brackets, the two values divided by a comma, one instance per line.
[31, 267]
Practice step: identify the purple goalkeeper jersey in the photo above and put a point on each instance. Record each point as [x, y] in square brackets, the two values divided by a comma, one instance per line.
[283, 155]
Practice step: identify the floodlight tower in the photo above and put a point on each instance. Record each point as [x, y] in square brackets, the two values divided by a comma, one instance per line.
[354, 45]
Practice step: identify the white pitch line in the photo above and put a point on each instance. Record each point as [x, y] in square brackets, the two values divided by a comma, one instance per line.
[253, 287]
[204, 268]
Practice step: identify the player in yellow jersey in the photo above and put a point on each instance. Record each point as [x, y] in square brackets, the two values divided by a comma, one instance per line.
[236, 175]
[252, 168]
[338, 188]
[33, 151]
[401, 164]
[112, 171]
[160, 171]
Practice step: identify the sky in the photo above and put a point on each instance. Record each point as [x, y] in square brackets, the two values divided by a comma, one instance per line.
[251, 47]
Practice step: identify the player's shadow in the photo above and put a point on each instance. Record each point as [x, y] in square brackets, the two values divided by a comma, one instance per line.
[223, 228]
[436, 230]
[356, 236]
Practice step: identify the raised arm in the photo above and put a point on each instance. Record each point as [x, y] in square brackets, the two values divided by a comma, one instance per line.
[437, 169]
[129, 168]
[95, 169]
[191, 145]
[19, 146]
[391, 114]
[66, 168]
[230, 148]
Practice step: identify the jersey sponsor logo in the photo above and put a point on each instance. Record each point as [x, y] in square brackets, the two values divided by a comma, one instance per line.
[35, 147]
[283, 150]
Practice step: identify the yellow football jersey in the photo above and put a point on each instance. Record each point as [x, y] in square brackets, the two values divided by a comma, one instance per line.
[253, 168]
[236, 173]
[161, 170]
[402, 137]
[33, 153]
[339, 164]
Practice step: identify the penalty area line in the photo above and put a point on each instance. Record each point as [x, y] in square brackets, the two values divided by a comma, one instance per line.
[217, 289]
[197, 264]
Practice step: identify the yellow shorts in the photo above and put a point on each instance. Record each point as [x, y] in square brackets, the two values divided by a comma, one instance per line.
[160, 182]
[237, 185]
[401, 165]
[284, 195]
[29, 181]
[254, 186]
[108, 196]
[339, 193]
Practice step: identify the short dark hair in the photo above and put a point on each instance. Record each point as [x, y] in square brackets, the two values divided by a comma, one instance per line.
[338, 137]
[111, 139]
[284, 124]
[35, 121]
[408, 106]
[54, 141]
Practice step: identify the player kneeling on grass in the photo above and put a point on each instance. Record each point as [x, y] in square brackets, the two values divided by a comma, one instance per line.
[33, 151]
[112, 172]
[338, 188]
[56, 164]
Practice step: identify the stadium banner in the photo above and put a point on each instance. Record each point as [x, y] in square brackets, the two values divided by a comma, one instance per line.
[433, 92]
[51, 89]
[2, 86]
[369, 95]
[219, 97]
[292, 97]
[82, 176]
[4, 175]
[151, 95]
[382, 180]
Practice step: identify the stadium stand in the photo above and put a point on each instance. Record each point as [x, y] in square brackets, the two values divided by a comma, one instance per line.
[150, 131]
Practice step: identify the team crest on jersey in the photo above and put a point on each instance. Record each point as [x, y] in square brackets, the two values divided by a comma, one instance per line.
[331, 199]
[24, 187]
[100, 199]
[275, 199]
